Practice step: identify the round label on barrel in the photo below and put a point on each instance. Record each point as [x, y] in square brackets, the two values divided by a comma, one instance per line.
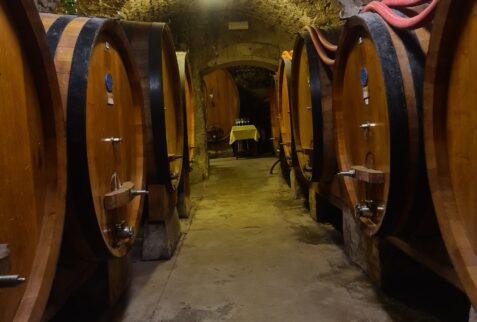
[364, 77]
[108, 80]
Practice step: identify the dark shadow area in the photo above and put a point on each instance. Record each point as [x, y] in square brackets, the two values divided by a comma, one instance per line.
[328, 213]
[88, 302]
[92, 300]
[318, 237]
[415, 286]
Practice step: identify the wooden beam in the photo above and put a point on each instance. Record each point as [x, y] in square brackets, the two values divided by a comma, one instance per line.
[368, 175]
[119, 197]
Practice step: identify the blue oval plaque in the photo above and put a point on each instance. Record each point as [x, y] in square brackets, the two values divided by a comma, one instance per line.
[108, 80]
[364, 77]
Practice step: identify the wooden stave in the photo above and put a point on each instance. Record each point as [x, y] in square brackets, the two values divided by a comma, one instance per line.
[323, 157]
[84, 234]
[286, 137]
[32, 300]
[157, 148]
[188, 108]
[185, 73]
[450, 18]
[166, 35]
[397, 212]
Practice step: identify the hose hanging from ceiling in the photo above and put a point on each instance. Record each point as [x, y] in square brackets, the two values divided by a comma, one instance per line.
[398, 22]
[319, 46]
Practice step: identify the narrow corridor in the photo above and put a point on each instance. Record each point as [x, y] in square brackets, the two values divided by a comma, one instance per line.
[252, 254]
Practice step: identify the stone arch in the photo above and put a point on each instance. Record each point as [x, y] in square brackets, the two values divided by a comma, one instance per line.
[250, 54]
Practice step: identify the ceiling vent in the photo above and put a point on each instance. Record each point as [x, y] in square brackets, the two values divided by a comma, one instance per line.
[238, 25]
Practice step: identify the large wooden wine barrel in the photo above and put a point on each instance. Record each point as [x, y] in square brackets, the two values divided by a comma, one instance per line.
[377, 106]
[103, 108]
[222, 103]
[311, 111]
[450, 129]
[188, 101]
[153, 48]
[284, 97]
[33, 164]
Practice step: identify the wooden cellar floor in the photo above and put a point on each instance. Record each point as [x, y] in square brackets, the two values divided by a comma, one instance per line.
[252, 254]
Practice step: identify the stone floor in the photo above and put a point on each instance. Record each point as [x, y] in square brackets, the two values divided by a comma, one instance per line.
[252, 254]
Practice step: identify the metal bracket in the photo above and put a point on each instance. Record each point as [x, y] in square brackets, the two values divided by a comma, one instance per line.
[362, 208]
[367, 126]
[364, 174]
[351, 173]
[7, 281]
[123, 232]
[135, 192]
[112, 140]
[368, 208]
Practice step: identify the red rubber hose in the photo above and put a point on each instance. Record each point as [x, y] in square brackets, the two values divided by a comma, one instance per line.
[328, 45]
[404, 3]
[399, 22]
[319, 49]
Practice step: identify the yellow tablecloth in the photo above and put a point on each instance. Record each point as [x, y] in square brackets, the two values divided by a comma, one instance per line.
[243, 132]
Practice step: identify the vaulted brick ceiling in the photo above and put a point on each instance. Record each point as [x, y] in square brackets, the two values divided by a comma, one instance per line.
[271, 12]
[288, 14]
[200, 26]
